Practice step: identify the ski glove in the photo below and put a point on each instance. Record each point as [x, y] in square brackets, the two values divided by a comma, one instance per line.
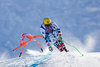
[60, 38]
[50, 48]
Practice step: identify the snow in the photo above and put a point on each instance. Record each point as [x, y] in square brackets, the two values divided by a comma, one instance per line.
[55, 59]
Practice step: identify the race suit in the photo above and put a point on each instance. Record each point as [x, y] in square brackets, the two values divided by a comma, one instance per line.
[51, 35]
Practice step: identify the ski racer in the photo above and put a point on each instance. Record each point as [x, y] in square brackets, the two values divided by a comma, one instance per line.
[52, 34]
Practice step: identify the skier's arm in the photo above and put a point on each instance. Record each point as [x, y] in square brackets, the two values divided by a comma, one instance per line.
[57, 29]
[46, 37]
[42, 32]
[49, 46]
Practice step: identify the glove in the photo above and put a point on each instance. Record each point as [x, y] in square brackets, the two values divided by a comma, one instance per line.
[60, 38]
[46, 37]
[50, 48]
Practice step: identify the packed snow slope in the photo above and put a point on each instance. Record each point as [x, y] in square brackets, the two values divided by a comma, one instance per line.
[54, 59]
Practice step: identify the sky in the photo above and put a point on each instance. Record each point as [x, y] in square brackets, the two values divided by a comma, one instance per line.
[79, 21]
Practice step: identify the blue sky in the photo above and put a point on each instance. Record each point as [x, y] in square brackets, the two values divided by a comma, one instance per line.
[78, 20]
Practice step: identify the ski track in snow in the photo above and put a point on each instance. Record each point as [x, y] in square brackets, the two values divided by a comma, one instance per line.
[55, 59]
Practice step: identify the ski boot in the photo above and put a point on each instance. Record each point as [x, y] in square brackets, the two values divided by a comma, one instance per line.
[66, 50]
[62, 47]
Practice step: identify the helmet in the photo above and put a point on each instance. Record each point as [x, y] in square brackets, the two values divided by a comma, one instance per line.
[46, 21]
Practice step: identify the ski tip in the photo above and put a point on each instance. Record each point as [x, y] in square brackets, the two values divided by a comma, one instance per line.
[41, 49]
[20, 54]
[82, 54]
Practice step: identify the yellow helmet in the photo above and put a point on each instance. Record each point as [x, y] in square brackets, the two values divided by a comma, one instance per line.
[46, 21]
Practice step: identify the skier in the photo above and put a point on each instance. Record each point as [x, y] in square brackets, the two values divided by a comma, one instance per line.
[52, 34]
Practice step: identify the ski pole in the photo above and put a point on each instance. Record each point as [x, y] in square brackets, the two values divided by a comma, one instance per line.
[75, 48]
